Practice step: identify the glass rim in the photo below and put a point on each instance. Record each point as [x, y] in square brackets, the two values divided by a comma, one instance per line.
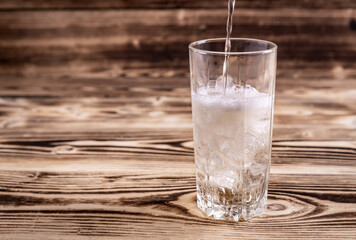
[192, 46]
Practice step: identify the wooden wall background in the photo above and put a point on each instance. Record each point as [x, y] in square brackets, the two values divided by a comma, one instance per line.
[113, 37]
[95, 118]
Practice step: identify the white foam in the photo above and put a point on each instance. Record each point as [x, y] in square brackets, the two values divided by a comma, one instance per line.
[235, 97]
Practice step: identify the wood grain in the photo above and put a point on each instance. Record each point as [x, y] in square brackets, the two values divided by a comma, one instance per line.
[92, 163]
[164, 4]
[95, 119]
[118, 40]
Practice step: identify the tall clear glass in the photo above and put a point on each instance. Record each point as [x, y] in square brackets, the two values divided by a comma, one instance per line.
[233, 119]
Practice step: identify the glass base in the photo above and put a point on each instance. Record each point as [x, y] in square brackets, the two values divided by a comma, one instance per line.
[232, 212]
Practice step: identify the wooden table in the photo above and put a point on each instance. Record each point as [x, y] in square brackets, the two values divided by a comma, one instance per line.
[95, 119]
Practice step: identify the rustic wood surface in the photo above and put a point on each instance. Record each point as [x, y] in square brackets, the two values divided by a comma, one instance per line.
[164, 4]
[95, 119]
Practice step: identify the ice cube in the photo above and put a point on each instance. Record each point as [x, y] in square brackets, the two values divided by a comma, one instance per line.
[254, 175]
[211, 87]
[224, 143]
[215, 159]
[211, 84]
[251, 91]
[252, 143]
[220, 82]
[225, 178]
[256, 149]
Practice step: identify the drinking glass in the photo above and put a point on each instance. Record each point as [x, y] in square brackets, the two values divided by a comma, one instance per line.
[232, 124]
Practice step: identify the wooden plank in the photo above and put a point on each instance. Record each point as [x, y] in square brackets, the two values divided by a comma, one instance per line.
[86, 157]
[305, 109]
[96, 133]
[71, 39]
[87, 114]
[132, 206]
[295, 157]
[160, 4]
[115, 124]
